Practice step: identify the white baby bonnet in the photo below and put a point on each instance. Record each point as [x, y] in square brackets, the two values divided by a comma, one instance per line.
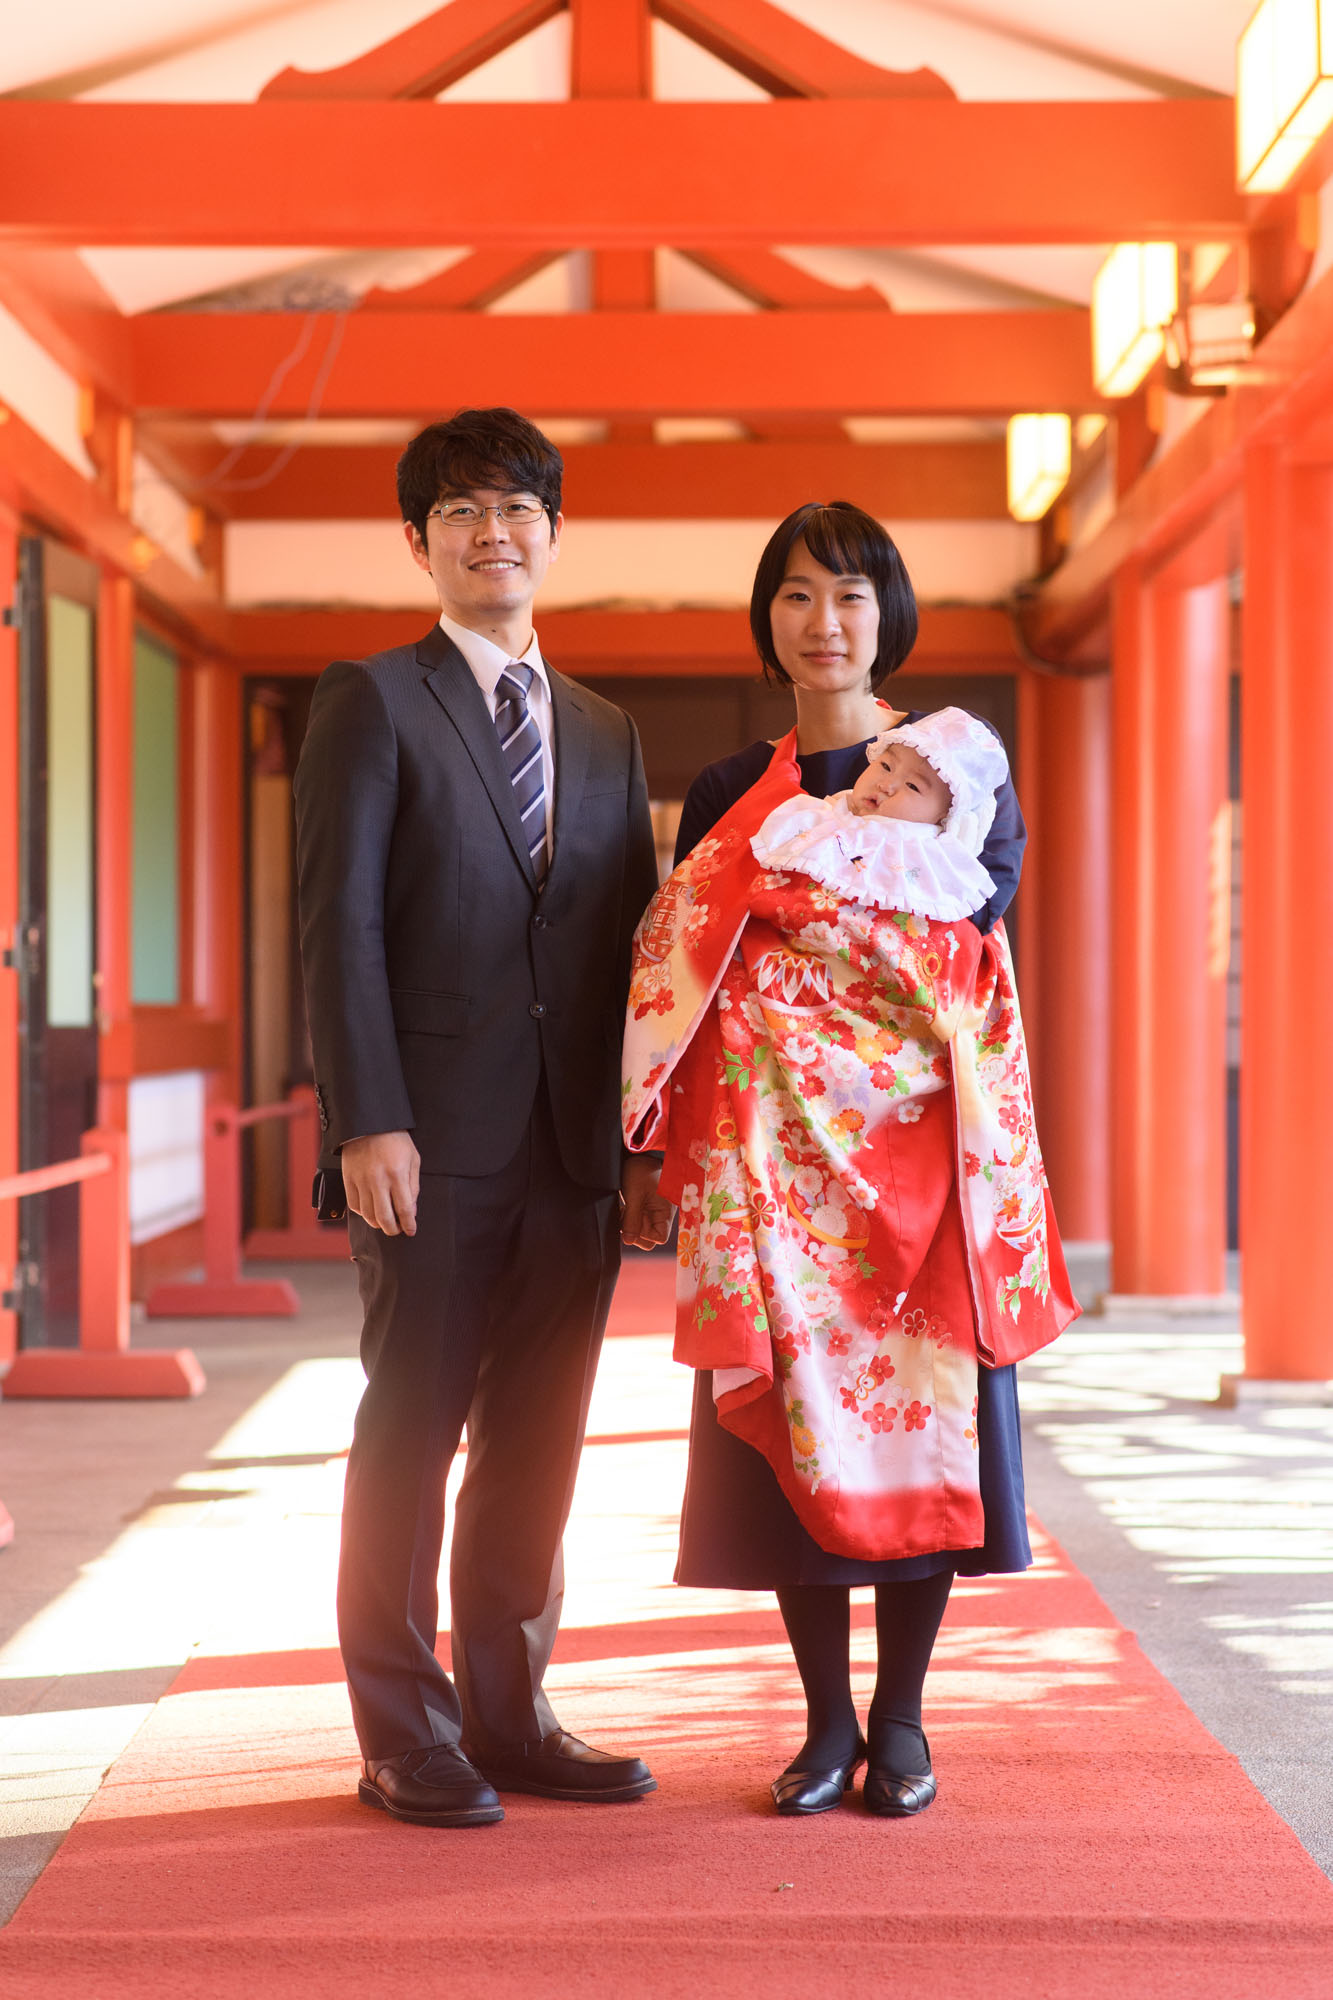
[891, 864]
[969, 758]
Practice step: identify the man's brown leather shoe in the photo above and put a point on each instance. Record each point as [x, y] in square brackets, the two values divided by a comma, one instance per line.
[560, 1767]
[432, 1787]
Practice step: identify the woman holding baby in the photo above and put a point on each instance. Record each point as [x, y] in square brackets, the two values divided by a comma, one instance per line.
[823, 1034]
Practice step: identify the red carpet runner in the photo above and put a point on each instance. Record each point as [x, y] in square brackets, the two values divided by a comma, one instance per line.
[1090, 1839]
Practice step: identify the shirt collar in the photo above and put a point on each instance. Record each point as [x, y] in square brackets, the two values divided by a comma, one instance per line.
[488, 661]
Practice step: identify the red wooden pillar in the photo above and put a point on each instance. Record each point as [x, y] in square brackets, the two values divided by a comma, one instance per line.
[1066, 948]
[1287, 963]
[218, 778]
[9, 911]
[1168, 974]
[115, 855]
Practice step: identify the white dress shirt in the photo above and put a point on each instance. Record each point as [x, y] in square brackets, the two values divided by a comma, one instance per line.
[487, 662]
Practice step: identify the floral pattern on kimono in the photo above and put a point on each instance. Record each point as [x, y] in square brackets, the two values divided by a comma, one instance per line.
[843, 1096]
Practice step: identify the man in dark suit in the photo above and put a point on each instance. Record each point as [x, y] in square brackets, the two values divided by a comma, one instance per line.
[475, 849]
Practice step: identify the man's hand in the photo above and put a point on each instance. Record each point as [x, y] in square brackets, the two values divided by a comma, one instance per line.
[646, 1215]
[382, 1174]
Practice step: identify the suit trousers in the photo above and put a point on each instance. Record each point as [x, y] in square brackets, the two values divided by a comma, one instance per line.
[491, 1316]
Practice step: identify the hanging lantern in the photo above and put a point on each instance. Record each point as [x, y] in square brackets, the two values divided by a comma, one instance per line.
[1284, 90]
[1134, 298]
[1038, 457]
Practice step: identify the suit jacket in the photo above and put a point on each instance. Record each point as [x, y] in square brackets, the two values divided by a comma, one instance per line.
[439, 980]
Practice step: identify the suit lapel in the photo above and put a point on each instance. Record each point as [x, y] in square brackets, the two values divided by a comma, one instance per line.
[450, 680]
[573, 742]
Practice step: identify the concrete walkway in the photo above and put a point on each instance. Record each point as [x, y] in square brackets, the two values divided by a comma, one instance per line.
[146, 1530]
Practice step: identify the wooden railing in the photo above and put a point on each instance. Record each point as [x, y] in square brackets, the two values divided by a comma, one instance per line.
[103, 1363]
[222, 1292]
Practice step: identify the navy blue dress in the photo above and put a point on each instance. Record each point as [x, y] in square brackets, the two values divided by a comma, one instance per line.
[737, 1528]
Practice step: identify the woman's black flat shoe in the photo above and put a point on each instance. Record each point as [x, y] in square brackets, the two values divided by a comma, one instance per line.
[805, 1792]
[897, 1795]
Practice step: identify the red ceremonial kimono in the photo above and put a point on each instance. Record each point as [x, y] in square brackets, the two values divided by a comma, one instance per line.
[843, 1096]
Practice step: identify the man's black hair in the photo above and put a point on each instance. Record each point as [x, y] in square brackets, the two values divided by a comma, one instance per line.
[475, 448]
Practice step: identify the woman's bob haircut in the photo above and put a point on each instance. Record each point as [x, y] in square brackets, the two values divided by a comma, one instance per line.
[848, 542]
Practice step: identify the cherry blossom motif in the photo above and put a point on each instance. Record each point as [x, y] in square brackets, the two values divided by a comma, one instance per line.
[842, 1065]
[792, 1341]
[913, 1323]
[840, 1343]
[880, 1416]
[880, 1370]
[909, 1113]
[914, 1416]
[850, 1399]
[651, 991]
[818, 1300]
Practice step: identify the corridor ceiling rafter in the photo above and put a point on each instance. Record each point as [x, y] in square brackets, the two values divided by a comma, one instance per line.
[761, 42]
[911, 172]
[959, 479]
[621, 363]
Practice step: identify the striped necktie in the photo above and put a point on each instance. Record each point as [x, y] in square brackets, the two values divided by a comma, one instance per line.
[521, 743]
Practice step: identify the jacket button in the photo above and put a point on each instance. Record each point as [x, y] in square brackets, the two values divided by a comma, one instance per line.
[537, 1011]
[540, 923]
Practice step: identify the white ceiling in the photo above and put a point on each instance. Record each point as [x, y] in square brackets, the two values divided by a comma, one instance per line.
[211, 50]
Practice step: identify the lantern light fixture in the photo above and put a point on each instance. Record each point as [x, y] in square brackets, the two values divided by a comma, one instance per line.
[1212, 341]
[1039, 450]
[1284, 90]
[1134, 300]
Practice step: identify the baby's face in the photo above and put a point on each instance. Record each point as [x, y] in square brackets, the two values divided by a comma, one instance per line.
[900, 784]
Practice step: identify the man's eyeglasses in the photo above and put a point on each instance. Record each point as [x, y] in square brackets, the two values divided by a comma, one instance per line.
[470, 514]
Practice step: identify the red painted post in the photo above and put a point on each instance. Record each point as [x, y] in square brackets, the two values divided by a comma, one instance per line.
[10, 790]
[222, 1197]
[305, 1239]
[1065, 940]
[1131, 868]
[104, 1249]
[103, 1363]
[1287, 968]
[223, 1293]
[1169, 976]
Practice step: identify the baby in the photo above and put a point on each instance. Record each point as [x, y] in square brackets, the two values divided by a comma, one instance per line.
[909, 833]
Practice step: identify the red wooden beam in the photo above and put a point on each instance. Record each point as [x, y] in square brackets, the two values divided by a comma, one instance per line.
[55, 297]
[771, 281]
[610, 52]
[426, 58]
[628, 482]
[907, 172]
[624, 280]
[473, 283]
[621, 363]
[589, 644]
[47, 490]
[786, 58]
[1289, 399]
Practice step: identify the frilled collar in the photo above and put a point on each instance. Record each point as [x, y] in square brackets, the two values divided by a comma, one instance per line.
[893, 864]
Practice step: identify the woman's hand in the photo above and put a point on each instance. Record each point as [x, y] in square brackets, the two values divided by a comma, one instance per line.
[646, 1216]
